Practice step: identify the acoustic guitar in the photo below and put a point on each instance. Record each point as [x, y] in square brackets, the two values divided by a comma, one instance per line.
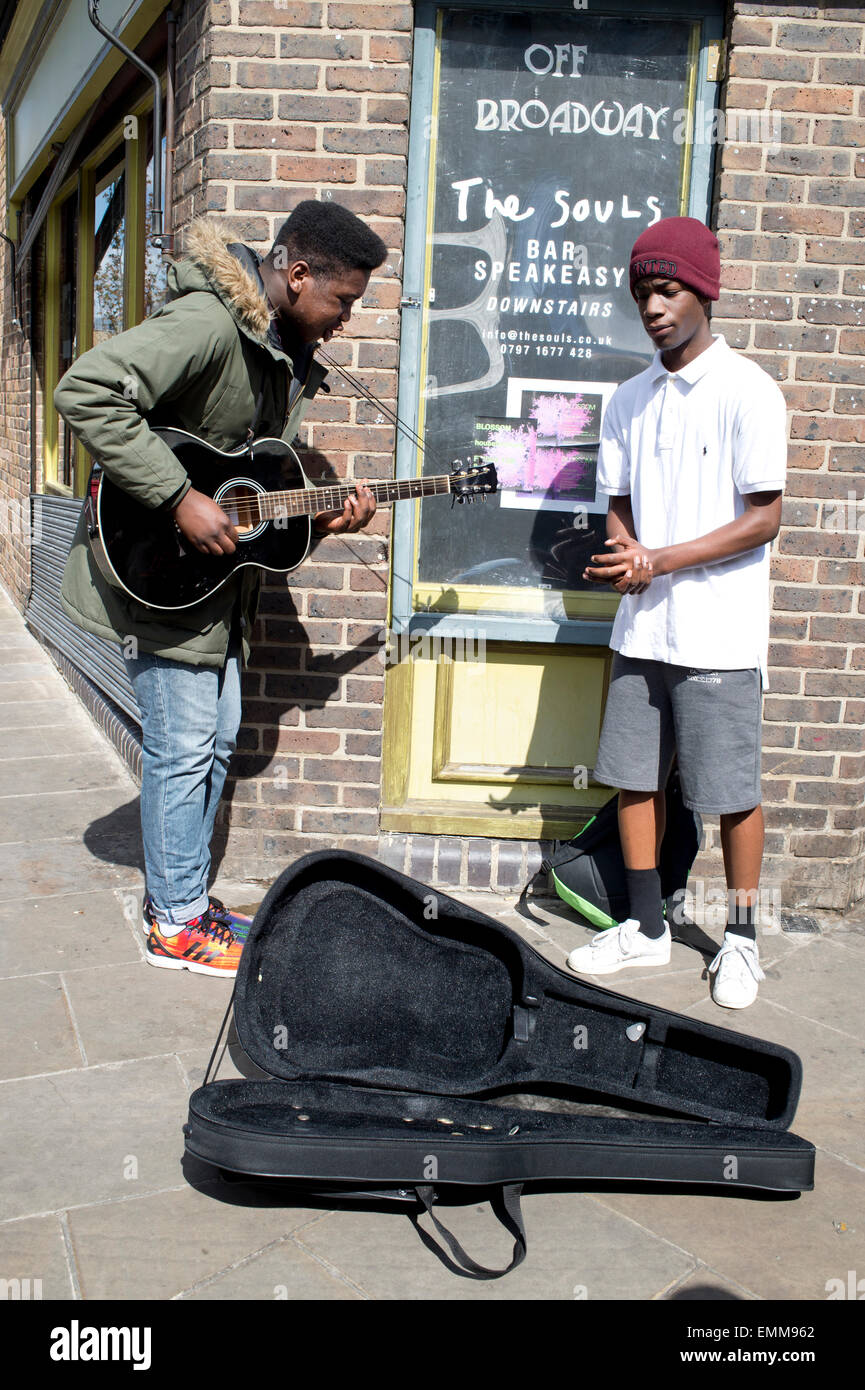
[271, 502]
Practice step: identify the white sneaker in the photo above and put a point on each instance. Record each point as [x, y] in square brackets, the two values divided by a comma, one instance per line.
[737, 972]
[618, 948]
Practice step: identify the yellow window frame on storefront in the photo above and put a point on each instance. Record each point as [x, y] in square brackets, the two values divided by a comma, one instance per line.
[129, 132]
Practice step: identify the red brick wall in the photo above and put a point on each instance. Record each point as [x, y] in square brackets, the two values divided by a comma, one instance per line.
[276, 103]
[14, 421]
[791, 220]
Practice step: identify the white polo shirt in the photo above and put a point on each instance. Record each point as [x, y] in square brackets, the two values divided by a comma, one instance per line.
[688, 446]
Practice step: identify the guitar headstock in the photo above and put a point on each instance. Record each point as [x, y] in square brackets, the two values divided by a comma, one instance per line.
[476, 480]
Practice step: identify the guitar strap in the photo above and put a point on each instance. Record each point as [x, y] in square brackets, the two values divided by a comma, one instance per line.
[253, 428]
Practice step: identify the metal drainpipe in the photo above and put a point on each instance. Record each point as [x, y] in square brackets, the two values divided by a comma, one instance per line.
[16, 319]
[168, 239]
[156, 235]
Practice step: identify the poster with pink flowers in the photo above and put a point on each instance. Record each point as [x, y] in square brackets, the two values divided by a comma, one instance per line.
[546, 451]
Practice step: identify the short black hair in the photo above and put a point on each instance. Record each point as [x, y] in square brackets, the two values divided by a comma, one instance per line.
[329, 238]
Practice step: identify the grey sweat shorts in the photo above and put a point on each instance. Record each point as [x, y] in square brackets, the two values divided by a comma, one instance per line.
[710, 720]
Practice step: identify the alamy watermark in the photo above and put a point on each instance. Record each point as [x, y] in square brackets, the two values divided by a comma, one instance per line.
[714, 127]
[20, 1290]
[705, 904]
[456, 645]
[846, 516]
[850, 1288]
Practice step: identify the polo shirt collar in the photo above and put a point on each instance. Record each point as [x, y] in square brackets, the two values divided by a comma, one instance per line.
[694, 370]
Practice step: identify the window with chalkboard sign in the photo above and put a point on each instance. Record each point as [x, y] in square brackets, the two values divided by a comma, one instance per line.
[544, 140]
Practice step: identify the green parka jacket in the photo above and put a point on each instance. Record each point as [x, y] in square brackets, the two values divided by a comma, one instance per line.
[200, 364]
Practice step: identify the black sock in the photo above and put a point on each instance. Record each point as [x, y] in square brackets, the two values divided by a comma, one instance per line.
[644, 897]
[740, 919]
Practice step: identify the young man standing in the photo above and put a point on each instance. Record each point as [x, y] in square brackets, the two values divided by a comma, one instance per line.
[231, 352]
[693, 457]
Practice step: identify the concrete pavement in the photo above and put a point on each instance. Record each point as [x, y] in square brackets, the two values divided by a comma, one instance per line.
[100, 1051]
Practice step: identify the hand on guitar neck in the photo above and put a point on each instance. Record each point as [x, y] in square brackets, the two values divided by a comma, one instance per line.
[357, 512]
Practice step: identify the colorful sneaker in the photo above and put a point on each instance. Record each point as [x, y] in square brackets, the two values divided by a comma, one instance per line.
[737, 972]
[618, 948]
[238, 921]
[206, 945]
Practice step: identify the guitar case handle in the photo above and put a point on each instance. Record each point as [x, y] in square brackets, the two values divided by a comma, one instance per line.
[506, 1206]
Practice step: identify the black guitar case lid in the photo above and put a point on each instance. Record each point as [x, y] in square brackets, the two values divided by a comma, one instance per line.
[394, 1023]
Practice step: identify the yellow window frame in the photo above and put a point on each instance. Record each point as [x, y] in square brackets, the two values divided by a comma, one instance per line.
[135, 251]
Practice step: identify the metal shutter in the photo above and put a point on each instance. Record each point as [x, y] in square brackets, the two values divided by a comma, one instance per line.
[55, 520]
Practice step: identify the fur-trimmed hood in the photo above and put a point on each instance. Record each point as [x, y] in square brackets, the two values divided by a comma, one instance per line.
[214, 261]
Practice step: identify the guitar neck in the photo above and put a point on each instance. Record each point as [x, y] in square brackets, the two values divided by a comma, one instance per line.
[307, 501]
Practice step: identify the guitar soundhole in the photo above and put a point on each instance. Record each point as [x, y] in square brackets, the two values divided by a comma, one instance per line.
[241, 504]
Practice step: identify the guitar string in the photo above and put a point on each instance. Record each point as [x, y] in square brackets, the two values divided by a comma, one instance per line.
[297, 502]
[371, 399]
[249, 512]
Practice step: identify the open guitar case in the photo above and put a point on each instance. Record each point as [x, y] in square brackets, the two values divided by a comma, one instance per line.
[396, 1026]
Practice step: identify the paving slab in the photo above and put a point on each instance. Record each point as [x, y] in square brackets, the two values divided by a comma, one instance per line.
[574, 1251]
[240, 895]
[78, 1137]
[784, 1249]
[36, 1031]
[17, 692]
[155, 1246]
[49, 868]
[677, 990]
[283, 1272]
[233, 1063]
[833, 1062]
[162, 1010]
[850, 935]
[59, 773]
[825, 983]
[20, 662]
[836, 1124]
[61, 815]
[39, 740]
[685, 984]
[703, 1286]
[74, 930]
[35, 1250]
[29, 714]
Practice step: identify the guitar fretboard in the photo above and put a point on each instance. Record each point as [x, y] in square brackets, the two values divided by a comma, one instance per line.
[307, 501]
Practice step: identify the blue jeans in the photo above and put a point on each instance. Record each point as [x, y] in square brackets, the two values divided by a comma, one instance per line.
[189, 718]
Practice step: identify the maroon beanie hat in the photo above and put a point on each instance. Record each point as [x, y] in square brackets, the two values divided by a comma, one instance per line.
[682, 248]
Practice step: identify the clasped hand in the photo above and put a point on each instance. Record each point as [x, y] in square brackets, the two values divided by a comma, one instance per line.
[628, 566]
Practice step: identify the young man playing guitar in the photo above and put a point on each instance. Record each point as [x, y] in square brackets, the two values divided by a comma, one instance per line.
[229, 357]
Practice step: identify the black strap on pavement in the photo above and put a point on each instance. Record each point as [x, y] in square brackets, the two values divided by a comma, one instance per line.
[506, 1206]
